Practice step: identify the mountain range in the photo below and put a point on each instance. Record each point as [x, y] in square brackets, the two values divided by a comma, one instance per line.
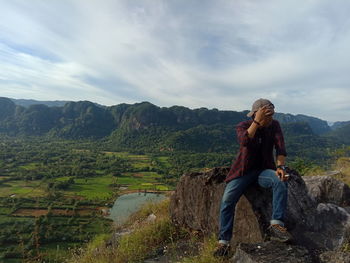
[147, 126]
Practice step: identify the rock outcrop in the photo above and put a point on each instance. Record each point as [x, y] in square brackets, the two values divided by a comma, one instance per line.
[316, 226]
[326, 189]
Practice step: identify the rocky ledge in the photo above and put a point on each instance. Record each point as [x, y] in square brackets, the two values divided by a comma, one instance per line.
[317, 215]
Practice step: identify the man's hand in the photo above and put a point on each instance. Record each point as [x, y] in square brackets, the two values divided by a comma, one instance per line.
[264, 115]
[281, 173]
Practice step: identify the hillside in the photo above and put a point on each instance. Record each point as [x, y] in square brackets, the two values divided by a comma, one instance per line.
[342, 133]
[14, 117]
[339, 124]
[27, 103]
[146, 127]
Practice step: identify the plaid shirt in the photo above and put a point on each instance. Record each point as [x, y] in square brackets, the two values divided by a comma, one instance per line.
[257, 153]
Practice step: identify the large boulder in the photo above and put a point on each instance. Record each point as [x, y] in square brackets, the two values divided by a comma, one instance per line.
[316, 226]
[326, 189]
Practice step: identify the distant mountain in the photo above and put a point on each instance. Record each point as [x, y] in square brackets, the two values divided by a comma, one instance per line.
[27, 103]
[318, 126]
[339, 124]
[50, 103]
[86, 119]
[144, 126]
[342, 133]
[185, 116]
[74, 120]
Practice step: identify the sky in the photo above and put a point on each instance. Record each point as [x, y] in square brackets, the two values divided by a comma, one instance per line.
[195, 53]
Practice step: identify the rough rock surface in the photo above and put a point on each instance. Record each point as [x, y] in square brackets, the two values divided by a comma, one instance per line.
[268, 252]
[326, 189]
[335, 257]
[316, 226]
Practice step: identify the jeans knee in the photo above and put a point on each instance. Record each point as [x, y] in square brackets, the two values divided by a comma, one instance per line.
[227, 199]
[281, 186]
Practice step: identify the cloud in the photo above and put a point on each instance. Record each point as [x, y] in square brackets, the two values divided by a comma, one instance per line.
[221, 54]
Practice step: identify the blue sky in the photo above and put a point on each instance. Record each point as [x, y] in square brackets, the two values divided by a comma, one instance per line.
[196, 53]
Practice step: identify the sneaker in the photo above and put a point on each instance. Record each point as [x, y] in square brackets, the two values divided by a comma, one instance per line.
[222, 250]
[279, 233]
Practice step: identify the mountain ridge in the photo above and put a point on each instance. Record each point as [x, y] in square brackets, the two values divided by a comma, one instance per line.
[144, 126]
[61, 103]
[282, 117]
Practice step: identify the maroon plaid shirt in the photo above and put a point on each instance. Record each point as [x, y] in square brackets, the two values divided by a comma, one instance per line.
[257, 153]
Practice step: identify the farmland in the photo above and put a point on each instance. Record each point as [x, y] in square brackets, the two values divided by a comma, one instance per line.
[53, 195]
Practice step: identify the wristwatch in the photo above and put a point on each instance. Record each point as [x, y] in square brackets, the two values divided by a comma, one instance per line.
[283, 167]
[257, 122]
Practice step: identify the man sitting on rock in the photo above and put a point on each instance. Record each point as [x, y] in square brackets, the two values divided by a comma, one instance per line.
[255, 163]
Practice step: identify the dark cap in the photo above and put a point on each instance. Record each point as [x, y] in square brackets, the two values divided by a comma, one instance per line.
[258, 104]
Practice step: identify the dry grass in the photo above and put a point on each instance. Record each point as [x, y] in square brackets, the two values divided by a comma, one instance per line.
[343, 166]
[206, 253]
[146, 236]
[96, 251]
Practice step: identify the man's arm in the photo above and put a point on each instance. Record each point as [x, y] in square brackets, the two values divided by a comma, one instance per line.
[281, 160]
[252, 130]
[280, 152]
[281, 173]
[262, 116]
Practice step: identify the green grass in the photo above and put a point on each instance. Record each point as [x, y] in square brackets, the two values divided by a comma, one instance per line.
[152, 174]
[162, 188]
[164, 161]
[140, 165]
[10, 219]
[62, 179]
[147, 182]
[22, 189]
[206, 253]
[93, 188]
[117, 154]
[5, 210]
[12, 260]
[137, 157]
[29, 166]
[57, 252]
[128, 180]
[136, 246]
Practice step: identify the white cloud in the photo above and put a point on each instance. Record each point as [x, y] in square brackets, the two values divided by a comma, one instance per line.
[221, 54]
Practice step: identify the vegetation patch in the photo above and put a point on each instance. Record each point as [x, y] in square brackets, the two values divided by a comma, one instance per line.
[55, 212]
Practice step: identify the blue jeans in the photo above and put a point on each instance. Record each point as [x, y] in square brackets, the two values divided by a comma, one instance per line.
[236, 187]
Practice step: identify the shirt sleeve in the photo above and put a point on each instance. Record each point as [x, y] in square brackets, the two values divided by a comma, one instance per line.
[279, 141]
[242, 134]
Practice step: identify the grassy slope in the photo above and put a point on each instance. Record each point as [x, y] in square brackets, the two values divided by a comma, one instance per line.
[146, 238]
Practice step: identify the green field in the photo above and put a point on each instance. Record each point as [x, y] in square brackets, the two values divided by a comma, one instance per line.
[22, 189]
[62, 186]
[92, 188]
[101, 186]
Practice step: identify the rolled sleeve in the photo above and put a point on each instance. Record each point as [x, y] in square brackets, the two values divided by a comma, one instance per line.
[242, 134]
[279, 141]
